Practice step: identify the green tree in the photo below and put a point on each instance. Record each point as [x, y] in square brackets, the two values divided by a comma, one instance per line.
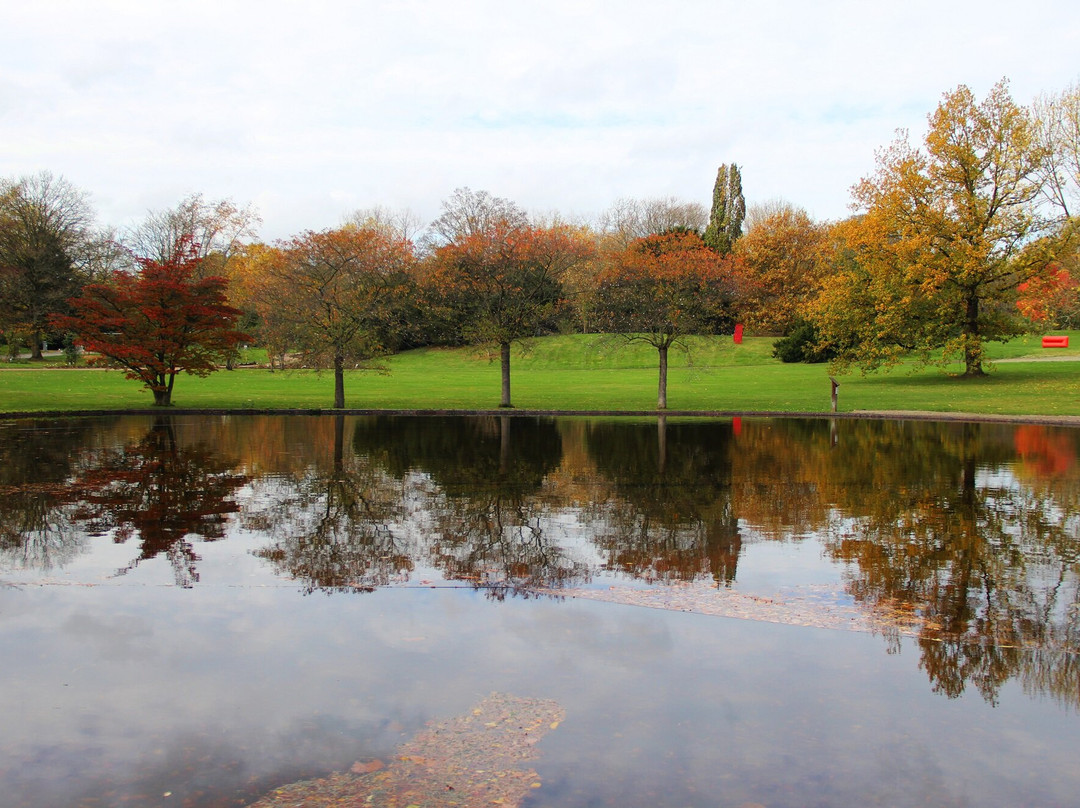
[46, 238]
[728, 210]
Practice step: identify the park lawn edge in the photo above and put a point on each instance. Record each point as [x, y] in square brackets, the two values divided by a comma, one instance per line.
[568, 376]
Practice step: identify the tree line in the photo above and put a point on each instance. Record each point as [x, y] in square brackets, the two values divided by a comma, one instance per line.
[967, 238]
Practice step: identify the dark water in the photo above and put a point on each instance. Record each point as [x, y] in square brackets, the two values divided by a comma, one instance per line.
[208, 607]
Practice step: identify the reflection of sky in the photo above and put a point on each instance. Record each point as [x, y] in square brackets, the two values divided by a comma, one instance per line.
[242, 677]
[668, 708]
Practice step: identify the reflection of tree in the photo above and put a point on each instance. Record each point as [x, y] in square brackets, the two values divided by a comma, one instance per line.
[945, 537]
[335, 527]
[36, 531]
[160, 490]
[490, 527]
[671, 517]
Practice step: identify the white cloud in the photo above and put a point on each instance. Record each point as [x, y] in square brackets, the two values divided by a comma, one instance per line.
[306, 108]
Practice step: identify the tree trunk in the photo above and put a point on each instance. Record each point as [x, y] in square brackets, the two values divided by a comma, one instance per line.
[661, 398]
[339, 444]
[504, 444]
[504, 357]
[162, 398]
[35, 346]
[972, 344]
[661, 444]
[339, 381]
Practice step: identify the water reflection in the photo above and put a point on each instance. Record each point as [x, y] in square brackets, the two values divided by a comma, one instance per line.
[963, 535]
[670, 516]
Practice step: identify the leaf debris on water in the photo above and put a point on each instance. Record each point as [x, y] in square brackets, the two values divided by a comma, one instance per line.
[470, 760]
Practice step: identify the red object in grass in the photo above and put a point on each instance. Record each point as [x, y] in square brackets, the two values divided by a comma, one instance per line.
[1055, 342]
[738, 334]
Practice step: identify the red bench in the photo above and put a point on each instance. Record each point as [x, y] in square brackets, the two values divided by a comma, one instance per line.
[1055, 342]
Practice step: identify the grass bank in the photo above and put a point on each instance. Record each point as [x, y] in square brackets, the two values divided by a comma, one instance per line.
[584, 373]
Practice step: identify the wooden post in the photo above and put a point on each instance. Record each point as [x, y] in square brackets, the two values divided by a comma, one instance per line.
[835, 384]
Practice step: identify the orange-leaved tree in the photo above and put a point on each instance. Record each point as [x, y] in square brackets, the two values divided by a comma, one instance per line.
[662, 289]
[504, 282]
[157, 321]
[337, 296]
[783, 252]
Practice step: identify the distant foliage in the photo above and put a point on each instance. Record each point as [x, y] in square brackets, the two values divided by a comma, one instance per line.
[802, 345]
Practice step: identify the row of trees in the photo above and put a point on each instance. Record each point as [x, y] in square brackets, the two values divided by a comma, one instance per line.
[970, 237]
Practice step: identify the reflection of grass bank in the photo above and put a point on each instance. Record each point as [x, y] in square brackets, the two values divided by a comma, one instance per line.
[586, 373]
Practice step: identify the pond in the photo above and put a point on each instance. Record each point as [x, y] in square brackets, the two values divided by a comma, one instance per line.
[390, 610]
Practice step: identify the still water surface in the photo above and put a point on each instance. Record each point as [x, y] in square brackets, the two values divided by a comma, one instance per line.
[196, 610]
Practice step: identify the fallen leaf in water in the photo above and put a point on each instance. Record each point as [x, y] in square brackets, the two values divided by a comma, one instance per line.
[366, 768]
[470, 761]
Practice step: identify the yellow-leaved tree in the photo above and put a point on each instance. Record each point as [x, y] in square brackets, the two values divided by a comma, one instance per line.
[946, 234]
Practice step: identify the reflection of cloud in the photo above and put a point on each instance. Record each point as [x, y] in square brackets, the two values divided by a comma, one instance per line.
[117, 638]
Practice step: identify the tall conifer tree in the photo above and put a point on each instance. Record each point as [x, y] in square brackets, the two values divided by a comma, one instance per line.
[728, 210]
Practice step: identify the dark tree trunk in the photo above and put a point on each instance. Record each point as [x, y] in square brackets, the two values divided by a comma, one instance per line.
[972, 344]
[163, 392]
[504, 444]
[339, 444]
[339, 381]
[661, 444]
[661, 398]
[35, 346]
[504, 360]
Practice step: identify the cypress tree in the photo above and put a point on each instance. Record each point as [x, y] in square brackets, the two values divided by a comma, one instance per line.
[728, 210]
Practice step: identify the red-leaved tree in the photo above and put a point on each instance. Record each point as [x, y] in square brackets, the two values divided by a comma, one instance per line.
[157, 321]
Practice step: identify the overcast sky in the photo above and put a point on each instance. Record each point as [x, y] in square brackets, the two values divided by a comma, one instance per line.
[310, 110]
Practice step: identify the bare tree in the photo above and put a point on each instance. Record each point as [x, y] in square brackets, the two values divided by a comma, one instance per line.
[216, 229]
[468, 213]
[400, 224]
[1057, 132]
[630, 219]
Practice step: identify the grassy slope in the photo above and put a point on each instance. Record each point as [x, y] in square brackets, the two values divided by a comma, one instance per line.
[587, 373]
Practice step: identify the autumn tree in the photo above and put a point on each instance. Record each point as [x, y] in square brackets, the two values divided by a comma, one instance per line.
[157, 322]
[1050, 299]
[664, 288]
[728, 210]
[337, 295]
[503, 281]
[782, 259]
[48, 247]
[947, 234]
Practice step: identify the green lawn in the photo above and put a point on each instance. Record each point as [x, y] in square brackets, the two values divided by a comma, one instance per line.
[585, 373]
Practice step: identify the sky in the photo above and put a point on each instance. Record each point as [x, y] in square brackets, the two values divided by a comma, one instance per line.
[311, 110]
